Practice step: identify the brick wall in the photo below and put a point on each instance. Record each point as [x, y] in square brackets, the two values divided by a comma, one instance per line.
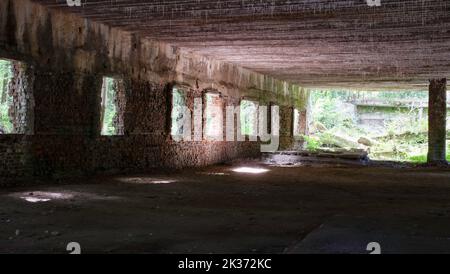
[69, 58]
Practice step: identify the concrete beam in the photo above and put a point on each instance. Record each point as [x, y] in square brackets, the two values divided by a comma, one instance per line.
[437, 121]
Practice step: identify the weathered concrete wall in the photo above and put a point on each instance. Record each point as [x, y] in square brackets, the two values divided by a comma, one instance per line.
[286, 128]
[14, 157]
[69, 57]
[20, 90]
[437, 121]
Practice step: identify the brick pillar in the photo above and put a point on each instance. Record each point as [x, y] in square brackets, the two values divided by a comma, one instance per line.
[437, 114]
[304, 130]
[287, 140]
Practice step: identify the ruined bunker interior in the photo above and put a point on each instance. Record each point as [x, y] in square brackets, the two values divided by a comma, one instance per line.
[239, 126]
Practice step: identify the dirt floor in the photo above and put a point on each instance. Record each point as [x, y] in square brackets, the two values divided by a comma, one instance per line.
[304, 209]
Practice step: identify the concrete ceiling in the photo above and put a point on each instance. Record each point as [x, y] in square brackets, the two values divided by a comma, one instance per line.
[316, 43]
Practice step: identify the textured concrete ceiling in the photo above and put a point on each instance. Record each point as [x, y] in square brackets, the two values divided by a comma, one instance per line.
[316, 43]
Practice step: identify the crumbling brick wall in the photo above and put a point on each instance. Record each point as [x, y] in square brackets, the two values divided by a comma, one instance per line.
[70, 57]
[21, 90]
[148, 143]
[15, 155]
[287, 140]
[120, 104]
[15, 159]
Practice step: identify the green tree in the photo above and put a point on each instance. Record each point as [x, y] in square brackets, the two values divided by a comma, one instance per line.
[5, 99]
[110, 111]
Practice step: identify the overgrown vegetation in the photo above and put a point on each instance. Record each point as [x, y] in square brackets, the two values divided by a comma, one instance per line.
[109, 112]
[312, 143]
[178, 102]
[5, 99]
[389, 125]
[249, 118]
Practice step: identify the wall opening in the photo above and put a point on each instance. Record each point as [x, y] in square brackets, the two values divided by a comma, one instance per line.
[213, 117]
[112, 107]
[6, 100]
[388, 125]
[179, 128]
[297, 130]
[249, 118]
[16, 100]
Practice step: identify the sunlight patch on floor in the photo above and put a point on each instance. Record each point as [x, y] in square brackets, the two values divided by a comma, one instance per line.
[251, 170]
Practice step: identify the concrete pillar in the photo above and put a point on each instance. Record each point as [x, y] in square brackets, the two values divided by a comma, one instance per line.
[304, 122]
[304, 130]
[437, 114]
[287, 140]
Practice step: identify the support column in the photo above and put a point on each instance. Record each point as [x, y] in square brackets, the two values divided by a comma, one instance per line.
[437, 114]
[287, 140]
[304, 130]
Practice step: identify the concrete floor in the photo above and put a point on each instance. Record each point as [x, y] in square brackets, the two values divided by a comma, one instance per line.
[305, 209]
